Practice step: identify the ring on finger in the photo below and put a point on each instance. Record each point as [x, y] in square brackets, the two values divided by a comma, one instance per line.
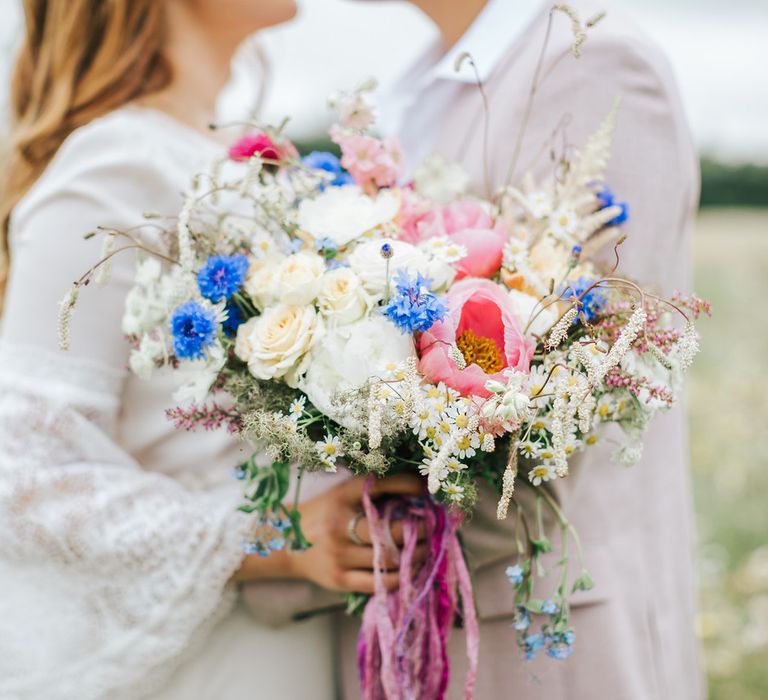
[352, 528]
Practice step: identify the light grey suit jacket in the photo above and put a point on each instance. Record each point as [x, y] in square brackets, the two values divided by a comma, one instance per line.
[635, 629]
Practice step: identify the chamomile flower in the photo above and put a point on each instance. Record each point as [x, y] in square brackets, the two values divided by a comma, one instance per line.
[539, 204]
[454, 492]
[529, 449]
[467, 445]
[540, 473]
[605, 408]
[297, 408]
[455, 466]
[443, 249]
[329, 450]
[563, 224]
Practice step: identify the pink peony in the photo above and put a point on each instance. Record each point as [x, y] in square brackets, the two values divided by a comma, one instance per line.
[465, 223]
[372, 162]
[260, 143]
[482, 323]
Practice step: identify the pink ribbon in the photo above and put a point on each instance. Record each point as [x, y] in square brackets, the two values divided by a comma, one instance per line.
[402, 650]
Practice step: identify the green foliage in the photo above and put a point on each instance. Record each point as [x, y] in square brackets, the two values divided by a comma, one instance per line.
[733, 185]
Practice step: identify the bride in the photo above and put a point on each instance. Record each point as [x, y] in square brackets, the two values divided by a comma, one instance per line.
[120, 543]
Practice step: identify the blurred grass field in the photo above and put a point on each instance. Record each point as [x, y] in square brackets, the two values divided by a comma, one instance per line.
[729, 445]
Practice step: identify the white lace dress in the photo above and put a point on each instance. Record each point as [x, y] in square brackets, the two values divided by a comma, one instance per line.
[118, 534]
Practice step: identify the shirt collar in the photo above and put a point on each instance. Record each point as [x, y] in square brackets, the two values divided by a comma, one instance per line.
[487, 40]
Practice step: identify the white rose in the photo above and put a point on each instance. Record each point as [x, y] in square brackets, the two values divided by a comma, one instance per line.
[276, 343]
[367, 262]
[342, 296]
[297, 280]
[348, 357]
[259, 284]
[346, 213]
[524, 305]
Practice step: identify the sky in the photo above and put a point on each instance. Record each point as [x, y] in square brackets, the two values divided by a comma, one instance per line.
[718, 49]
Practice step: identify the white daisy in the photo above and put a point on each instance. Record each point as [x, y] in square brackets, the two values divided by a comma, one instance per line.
[329, 450]
[297, 408]
[467, 445]
[455, 493]
[543, 472]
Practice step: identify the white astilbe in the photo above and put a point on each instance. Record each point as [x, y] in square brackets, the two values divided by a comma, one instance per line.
[64, 320]
[457, 356]
[591, 361]
[688, 346]
[107, 248]
[374, 417]
[585, 412]
[590, 163]
[579, 35]
[186, 250]
[507, 484]
[488, 444]
[560, 330]
[438, 466]
[559, 430]
[660, 356]
[624, 342]
[414, 400]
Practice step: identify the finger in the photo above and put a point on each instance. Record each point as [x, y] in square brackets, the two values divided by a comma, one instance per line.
[400, 484]
[363, 531]
[354, 557]
[362, 581]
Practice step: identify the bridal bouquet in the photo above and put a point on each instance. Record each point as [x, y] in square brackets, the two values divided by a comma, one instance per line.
[334, 318]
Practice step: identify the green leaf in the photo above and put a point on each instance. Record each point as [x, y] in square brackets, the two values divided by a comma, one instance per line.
[584, 582]
[534, 605]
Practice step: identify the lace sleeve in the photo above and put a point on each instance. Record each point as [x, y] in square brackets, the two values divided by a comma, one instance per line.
[108, 572]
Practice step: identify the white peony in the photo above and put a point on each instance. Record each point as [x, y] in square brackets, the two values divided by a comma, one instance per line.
[260, 282]
[367, 262]
[348, 357]
[342, 297]
[524, 305]
[346, 213]
[276, 343]
[297, 280]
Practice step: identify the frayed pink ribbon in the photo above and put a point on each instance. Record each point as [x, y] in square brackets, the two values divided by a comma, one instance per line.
[402, 650]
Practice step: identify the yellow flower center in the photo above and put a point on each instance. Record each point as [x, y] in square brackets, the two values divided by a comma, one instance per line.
[480, 351]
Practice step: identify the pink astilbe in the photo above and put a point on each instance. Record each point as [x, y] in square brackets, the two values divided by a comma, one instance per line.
[208, 416]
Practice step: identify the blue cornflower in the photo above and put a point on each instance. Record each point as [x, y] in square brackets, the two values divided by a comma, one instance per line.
[515, 574]
[560, 646]
[592, 303]
[548, 607]
[522, 619]
[276, 544]
[532, 644]
[194, 329]
[238, 473]
[607, 199]
[323, 160]
[255, 548]
[413, 307]
[234, 319]
[222, 276]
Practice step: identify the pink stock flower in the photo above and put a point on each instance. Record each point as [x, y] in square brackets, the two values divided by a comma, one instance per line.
[372, 162]
[467, 224]
[261, 144]
[483, 325]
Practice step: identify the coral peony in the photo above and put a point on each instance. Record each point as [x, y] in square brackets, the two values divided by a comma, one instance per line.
[482, 324]
[465, 223]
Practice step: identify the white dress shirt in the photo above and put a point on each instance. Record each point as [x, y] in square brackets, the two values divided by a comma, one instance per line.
[414, 105]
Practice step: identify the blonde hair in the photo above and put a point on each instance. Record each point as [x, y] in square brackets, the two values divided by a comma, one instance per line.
[79, 60]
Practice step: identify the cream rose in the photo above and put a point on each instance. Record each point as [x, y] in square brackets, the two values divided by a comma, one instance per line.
[260, 282]
[342, 297]
[348, 357]
[276, 343]
[371, 268]
[297, 280]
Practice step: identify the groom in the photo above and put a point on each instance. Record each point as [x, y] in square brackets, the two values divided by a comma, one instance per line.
[635, 629]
